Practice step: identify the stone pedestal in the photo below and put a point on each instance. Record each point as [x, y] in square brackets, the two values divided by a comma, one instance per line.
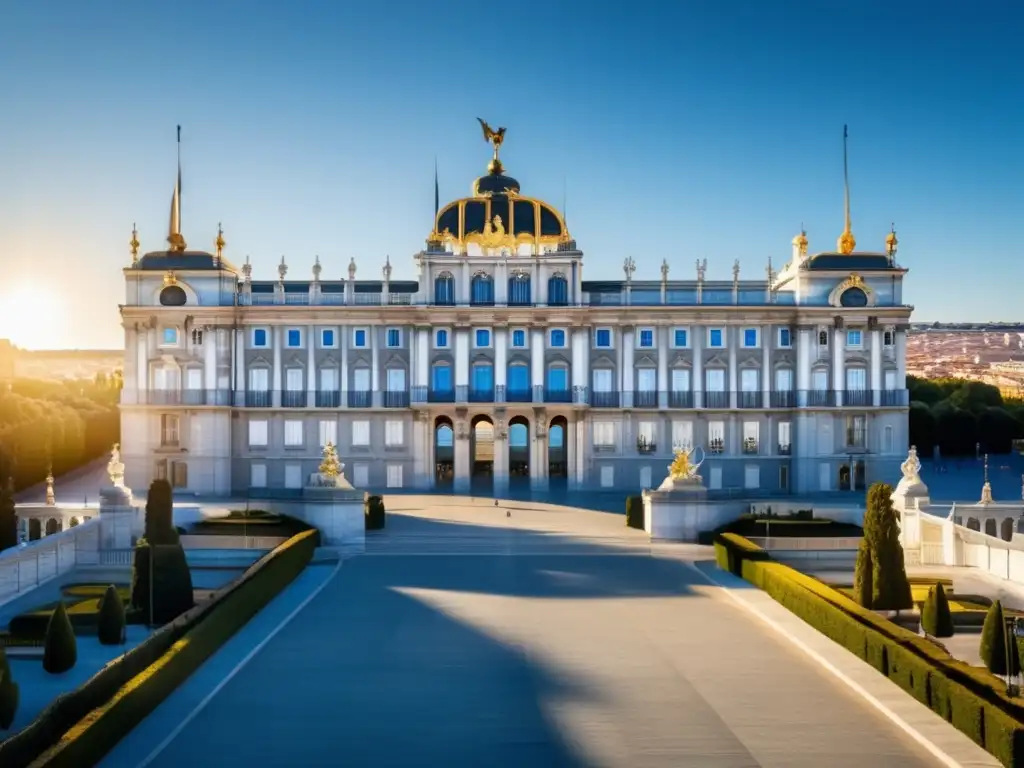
[338, 513]
[679, 511]
[120, 520]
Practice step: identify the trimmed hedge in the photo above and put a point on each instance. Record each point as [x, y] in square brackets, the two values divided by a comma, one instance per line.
[972, 700]
[80, 727]
[110, 624]
[171, 590]
[635, 512]
[731, 550]
[8, 693]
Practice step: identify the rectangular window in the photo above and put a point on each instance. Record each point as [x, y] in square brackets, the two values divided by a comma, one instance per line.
[785, 338]
[293, 476]
[749, 380]
[822, 337]
[682, 435]
[293, 433]
[396, 379]
[394, 434]
[394, 475]
[784, 477]
[602, 380]
[751, 477]
[853, 339]
[716, 338]
[360, 475]
[750, 337]
[680, 338]
[361, 433]
[519, 338]
[558, 378]
[783, 379]
[716, 436]
[194, 378]
[328, 379]
[328, 432]
[856, 379]
[441, 378]
[293, 379]
[715, 379]
[359, 338]
[887, 438]
[680, 380]
[170, 336]
[604, 434]
[361, 380]
[645, 338]
[819, 379]
[327, 338]
[259, 337]
[646, 434]
[607, 477]
[785, 446]
[257, 475]
[890, 379]
[855, 431]
[646, 380]
[294, 337]
[603, 338]
[258, 433]
[441, 339]
[889, 338]
[169, 430]
[557, 339]
[715, 479]
[259, 380]
[394, 337]
[483, 338]
[751, 433]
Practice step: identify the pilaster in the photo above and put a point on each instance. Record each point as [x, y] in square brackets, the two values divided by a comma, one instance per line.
[311, 383]
[628, 375]
[733, 340]
[275, 333]
[839, 362]
[697, 342]
[766, 366]
[876, 383]
[663, 347]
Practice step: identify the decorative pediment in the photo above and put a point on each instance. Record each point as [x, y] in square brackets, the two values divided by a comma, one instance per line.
[856, 358]
[295, 361]
[518, 358]
[259, 361]
[395, 361]
[602, 361]
[645, 361]
[750, 362]
[783, 362]
[681, 361]
[715, 361]
[558, 357]
[861, 294]
[329, 362]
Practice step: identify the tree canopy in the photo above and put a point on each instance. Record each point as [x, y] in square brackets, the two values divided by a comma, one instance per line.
[957, 414]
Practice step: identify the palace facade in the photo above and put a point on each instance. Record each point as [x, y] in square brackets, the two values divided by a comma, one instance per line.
[501, 366]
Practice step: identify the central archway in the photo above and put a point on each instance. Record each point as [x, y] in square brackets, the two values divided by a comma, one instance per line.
[481, 448]
[519, 451]
[444, 452]
[558, 452]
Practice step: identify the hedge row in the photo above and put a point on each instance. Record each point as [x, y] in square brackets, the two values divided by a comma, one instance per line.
[79, 727]
[732, 549]
[974, 701]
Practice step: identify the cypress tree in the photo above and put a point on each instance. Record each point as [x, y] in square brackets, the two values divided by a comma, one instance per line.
[890, 586]
[943, 615]
[60, 652]
[862, 575]
[8, 693]
[160, 514]
[8, 517]
[110, 623]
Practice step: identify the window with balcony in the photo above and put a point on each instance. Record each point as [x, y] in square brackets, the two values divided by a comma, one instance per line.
[646, 380]
[169, 430]
[819, 379]
[394, 338]
[293, 433]
[519, 290]
[783, 379]
[646, 437]
[193, 379]
[259, 338]
[785, 441]
[604, 434]
[750, 337]
[328, 432]
[483, 379]
[519, 338]
[716, 338]
[680, 338]
[716, 437]
[715, 379]
[682, 435]
[481, 290]
[645, 338]
[558, 290]
[361, 434]
[359, 338]
[518, 382]
[328, 379]
[854, 339]
[891, 379]
[603, 338]
[441, 339]
[751, 434]
[444, 289]
[327, 338]
[558, 378]
[294, 337]
[394, 434]
[361, 379]
[293, 380]
[259, 379]
[396, 383]
[557, 340]
[785, 338]
[856, 379]
[258, 433]
[482, 338]
[441, 377]
[680, 379]
[856, 435]
[602, 379]
[749, 380]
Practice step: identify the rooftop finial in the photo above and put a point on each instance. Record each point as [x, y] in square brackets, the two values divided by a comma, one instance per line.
[986, 488]
[352, 269]
[134, 245]
[220, 242]
[50, 499]
[847, 242]
[282, 269]
[664, 270]
[247, 269]
[891, 242]
[316, 269]
[496, 138]
[386, 271]
[174, 236]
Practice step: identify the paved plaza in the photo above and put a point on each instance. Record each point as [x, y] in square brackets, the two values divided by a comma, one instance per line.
[552, 637]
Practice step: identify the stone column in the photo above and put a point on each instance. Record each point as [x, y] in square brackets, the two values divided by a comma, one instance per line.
[422, 473]
[464, 289]
[662, 345]
[732, 336]
[697, 341]
[839, 363]
[209, 361]
[537, 363]
[766, 365]
[423, 358]
[628, 376]
[462, 458]
[804, 340]
[501, 466]
[581, 451]
[343, 371]
[539, 452]
[572, 479]
[311, 383]
[240, 380]
[901, 357]
[540, 288]
[276, 382]
[375, 365]
[461, 360]
[500, 361]
[876, 382]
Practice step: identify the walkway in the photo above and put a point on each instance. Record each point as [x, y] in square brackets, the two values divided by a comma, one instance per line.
[553, 637]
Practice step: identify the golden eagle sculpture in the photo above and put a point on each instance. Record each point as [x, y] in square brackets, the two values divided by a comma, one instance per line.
[495, 137]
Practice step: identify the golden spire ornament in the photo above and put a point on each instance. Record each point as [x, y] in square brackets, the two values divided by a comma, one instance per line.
[847, 242]
[220, 242]
[134, 245]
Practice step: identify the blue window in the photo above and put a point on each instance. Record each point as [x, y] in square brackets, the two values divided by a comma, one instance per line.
[170, 335]
[394, 337]
[259, 337]
[444, 289]
[359, 338]
[481, 290]
[785, 339]
[483, 338]
[750, 337]
[519, 291]
[294, 337]
[441, 339]
[603, 337]
[715, 337]
[518, 338]
[557, 338]
[558, 378]
[518, 377]
[853, 338]
[483, 378]
[647, 338]
[326, 338]
[558, 291]
[680, 337]
[441, 377]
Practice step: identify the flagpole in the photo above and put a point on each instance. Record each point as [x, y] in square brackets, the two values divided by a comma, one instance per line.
[179, 178]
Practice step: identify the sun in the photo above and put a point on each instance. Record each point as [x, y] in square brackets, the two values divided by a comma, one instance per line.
[29, 316]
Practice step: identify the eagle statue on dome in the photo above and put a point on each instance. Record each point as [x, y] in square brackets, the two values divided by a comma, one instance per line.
[495, 137]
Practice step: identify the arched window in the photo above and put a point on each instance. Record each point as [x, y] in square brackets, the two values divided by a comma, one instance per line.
[854, 297]
[519, 290]
[481, 289]
[558, 290]
[444, 289]
[173, 296]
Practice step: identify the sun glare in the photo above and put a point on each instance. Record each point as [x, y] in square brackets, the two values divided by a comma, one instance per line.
[29, 316]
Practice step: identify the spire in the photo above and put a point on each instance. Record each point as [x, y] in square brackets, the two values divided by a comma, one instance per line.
[174, 237]
[847, 242]
[437, 191]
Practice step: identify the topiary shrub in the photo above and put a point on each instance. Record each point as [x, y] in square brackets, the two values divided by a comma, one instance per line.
[8, 693]
[863, 572]
[374, 513]
[635, 512]
[60, 651]
[160, 514]
[111, 622]
[936, 617]
[890, 586]
[172, 582]
[993, 643]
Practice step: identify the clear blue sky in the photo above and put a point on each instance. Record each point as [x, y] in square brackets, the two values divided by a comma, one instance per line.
[678, 130]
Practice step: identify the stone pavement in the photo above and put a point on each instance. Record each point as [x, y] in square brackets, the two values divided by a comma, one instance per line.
[554, 637]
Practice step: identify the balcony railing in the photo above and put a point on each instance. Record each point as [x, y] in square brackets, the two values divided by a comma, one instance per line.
[750, 399]
[895, 397]
[680, 399]
[750, 446]
[858, 397]
[557, 395]
[360, 399]
[817, 398]
[716, 399]
[604, 399]
[481, 395]
[255, 398]
[784, 449]
[293, 398]
[396, 399]
[645, 398]
[441, 396]
[328, 399]
[519, 395]
[783, 399]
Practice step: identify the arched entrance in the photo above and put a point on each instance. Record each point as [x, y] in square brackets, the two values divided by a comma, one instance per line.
[991, 527]
[481, 452]
[444, 452]
[1006, 529]
[844, 477]
[558, 458]
[519, 451]
[859, 475]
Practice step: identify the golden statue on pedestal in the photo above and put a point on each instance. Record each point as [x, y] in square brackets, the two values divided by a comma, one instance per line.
[496, 138]
[684, 466]
[331, 466]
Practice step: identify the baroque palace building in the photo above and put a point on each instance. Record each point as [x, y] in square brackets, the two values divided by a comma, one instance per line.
[501, 366]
